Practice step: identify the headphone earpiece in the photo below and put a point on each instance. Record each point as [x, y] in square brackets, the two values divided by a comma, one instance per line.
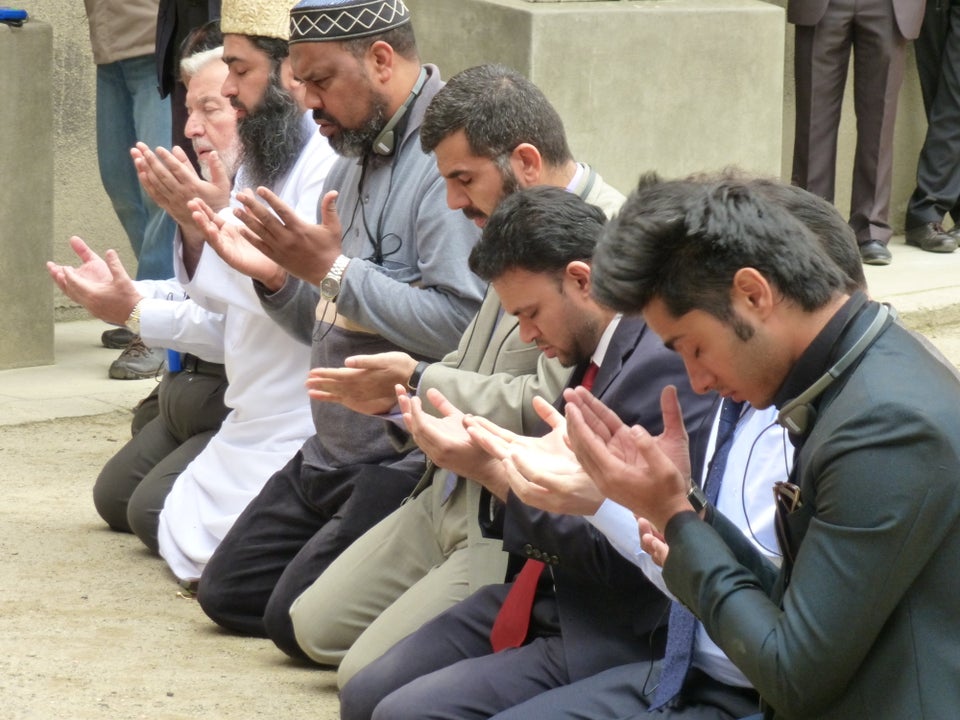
[385, 141]
[798, 415]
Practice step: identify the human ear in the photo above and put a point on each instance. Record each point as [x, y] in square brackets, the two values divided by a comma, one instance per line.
[751, 291]
[380, 56]
[527, 164]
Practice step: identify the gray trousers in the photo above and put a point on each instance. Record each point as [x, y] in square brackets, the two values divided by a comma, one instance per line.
[132, 486]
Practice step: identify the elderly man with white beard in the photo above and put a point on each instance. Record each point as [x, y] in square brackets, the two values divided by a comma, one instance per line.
[177, 489]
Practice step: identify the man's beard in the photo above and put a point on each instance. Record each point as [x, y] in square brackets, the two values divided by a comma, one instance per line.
[508, 186]
[357, 142]
[272, 136]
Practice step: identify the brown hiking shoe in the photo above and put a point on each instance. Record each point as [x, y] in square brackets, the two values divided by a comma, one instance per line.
[138, 361]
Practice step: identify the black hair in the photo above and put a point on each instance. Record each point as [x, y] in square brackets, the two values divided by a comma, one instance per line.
[682, 241]
[498, 109]
[540, 229]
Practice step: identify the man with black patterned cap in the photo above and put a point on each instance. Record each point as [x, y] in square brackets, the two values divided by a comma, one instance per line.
[385, 269]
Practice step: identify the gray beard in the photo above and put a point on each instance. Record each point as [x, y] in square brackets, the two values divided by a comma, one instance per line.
[272, 137]
[358, 142]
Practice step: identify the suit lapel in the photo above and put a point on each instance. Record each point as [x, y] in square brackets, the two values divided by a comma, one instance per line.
[622, 344]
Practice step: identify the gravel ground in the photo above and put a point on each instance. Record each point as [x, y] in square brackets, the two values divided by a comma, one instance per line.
[92, 625]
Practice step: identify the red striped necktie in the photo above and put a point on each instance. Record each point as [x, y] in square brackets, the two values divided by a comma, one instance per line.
[512, 623]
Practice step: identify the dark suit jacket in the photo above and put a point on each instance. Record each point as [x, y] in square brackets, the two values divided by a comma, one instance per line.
[172, 28]
[869, 625]
[909, 14]
[610, 614]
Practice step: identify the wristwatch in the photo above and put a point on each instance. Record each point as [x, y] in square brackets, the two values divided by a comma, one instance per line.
[330, 285]
[133, 321]
[696, 498]
[417, 374]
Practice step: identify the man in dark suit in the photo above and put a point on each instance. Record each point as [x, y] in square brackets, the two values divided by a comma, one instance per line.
[878, 31]
[859, 619]
[938, 167]
[175, 21]
[593, 609]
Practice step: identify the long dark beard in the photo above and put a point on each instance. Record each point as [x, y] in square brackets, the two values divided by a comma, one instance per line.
[272, 136]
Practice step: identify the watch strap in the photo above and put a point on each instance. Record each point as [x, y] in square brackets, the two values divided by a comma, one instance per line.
[697, 498]
[414, 382]
[133, 320]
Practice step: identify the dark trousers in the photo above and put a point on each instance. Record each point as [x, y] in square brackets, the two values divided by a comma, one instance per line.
[938, 166]
[447, 669]
[626, 693]
[130, 491]
[822, 55]
[299, 523]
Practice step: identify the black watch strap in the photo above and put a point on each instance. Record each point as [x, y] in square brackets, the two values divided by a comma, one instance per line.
[696, 498]
[417, 374]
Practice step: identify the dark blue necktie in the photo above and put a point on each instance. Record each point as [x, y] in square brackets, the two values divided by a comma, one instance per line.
[682, 625]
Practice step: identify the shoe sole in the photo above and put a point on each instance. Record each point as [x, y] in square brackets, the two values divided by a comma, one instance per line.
[130, 375]
[941, 250]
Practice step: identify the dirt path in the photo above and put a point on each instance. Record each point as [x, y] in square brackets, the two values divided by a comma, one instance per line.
[91, 625]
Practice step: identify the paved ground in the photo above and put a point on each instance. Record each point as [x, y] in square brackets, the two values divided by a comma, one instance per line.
[91, 626]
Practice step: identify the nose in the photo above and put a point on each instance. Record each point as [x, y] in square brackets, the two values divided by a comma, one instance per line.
[229, 87]
[701, 380]
[528, 330]
[311, 98]
[194, 127]
[456, 198]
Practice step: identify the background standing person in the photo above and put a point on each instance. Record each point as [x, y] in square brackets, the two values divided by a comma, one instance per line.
[175, 20]
[129, 110]
[826, 31]
[938, 167]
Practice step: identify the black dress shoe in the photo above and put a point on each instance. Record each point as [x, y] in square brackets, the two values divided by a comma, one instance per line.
[932, 238]
[875, 253]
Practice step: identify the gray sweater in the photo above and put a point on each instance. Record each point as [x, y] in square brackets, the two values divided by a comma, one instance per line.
[419, 300]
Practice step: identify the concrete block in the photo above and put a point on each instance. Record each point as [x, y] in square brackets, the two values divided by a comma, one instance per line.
[26, 199]
[676, 86]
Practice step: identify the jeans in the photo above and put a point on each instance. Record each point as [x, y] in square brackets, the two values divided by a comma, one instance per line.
[129, 108]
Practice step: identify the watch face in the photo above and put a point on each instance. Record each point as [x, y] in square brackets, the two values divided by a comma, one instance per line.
[329, 288]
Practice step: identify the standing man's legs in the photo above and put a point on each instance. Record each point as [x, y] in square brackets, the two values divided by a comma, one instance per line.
[116, 134]
[879, 55]
[821, 58]
[129, 109]
[938, 166]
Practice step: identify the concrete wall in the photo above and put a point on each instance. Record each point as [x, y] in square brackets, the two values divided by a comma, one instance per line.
[26, 197]
[683, 69]
[665, 61]
[640, 85]
[81, 206]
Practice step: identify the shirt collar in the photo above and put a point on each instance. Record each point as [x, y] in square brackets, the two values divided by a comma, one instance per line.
[601, 351]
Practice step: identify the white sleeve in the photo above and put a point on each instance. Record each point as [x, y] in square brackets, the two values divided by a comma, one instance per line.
[184, 326]
[619, 526]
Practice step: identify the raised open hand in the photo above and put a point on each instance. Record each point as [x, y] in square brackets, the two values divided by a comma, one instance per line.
[366, 382]
[302, 249]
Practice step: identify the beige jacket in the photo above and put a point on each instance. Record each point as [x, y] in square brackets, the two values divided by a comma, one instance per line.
[121, 29]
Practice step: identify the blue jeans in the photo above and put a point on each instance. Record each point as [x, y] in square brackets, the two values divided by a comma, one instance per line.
[129, 108]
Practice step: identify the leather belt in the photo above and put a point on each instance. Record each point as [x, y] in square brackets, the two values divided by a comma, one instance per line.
[192, 364]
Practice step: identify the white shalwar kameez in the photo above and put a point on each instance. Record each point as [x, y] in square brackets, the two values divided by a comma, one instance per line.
[270, 413]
